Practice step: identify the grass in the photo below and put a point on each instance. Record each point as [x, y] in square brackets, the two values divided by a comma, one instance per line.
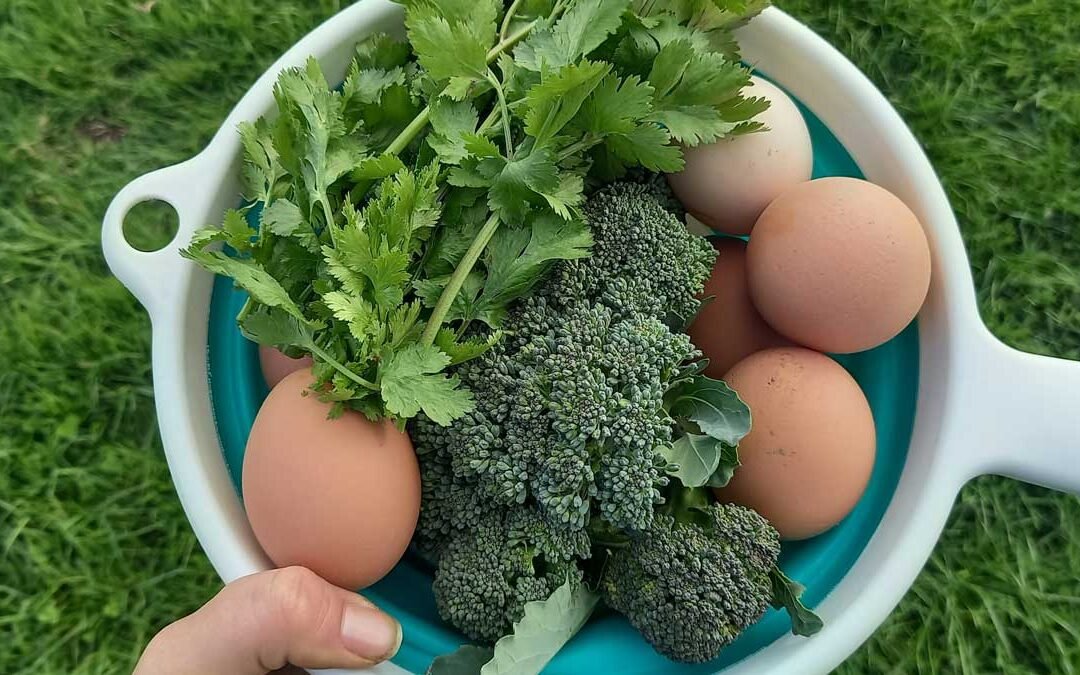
[95, 554]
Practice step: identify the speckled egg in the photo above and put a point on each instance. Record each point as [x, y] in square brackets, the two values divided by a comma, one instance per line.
[838, 264]
[727, 184]
[339, 496]
[729, 328]
[809, 455]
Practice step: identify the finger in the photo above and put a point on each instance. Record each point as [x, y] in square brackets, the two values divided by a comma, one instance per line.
[267, 620]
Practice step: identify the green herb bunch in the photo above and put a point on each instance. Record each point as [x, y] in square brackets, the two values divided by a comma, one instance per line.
[389, 223]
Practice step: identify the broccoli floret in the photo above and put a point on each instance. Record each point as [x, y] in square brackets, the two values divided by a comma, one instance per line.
[692, 587]
[486, 575]
[568, 418]
[643, 258]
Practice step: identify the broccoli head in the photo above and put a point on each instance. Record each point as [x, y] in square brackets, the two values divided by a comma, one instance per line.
[486, 575]
[643, 258]
[568, 418]
[692, 587]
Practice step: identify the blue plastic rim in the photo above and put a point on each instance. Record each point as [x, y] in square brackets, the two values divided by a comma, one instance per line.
[888, 375]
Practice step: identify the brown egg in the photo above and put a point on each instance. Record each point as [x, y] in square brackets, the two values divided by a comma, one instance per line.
[729, 328]
[727, 184]
[275, 365]
[838, 264]
[340, 496]
[808, 456]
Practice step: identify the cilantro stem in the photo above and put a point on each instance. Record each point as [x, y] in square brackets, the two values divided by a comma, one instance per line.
[410, 132]
[450, 292]
[510, 13]
[576, 147]
[341, 368]
[508, 135]
[249, 305]
[424, 116]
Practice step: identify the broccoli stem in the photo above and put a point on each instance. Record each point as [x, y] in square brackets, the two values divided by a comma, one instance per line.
[442, 307]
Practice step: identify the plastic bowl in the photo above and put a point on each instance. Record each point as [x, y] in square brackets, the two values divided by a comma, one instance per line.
[949, 401]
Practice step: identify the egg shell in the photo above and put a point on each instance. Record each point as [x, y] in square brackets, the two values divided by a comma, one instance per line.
[276, 366]
[810, 451]
[339, 496]
[839, 265]
[727, 184]
[729, 328]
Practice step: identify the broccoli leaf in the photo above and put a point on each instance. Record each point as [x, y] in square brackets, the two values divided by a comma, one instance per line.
[786, 595]
[692, 458]
[729, 461]
[412, 380]
[466, 660]
[713, 406]
[542, 632]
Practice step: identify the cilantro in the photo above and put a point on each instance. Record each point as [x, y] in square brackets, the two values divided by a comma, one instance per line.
[390, 223]
[582, 29]
[412, 380]
[249, 276]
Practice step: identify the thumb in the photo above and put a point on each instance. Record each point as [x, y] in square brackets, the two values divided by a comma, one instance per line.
[264, 621]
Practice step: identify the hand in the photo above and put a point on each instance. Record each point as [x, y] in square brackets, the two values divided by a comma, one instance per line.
[269, 620]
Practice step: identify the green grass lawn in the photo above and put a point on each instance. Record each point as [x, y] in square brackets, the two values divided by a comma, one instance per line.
[95, 553]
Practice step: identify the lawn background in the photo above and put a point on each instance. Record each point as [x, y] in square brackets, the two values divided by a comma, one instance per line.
[95, 554]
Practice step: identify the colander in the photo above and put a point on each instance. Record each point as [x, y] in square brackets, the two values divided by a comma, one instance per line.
[950, 402]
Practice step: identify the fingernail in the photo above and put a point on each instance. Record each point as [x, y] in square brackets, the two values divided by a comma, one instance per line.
[369, 633]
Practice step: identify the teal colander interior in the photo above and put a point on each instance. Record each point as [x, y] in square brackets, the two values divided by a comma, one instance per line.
[888, 375]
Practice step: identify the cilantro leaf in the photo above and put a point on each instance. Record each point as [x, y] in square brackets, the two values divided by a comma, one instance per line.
[412, 380]
[452, 38]
[520, 182]
[248, 275]
[374, 168]
[277, 329]
[517, 258]
[360, 316]
[579, 31]
[552, 103]
[647, 145]
[616, 105]
[262, 169]
[461, 351]
[697, 94]
[382, 51]
[569, 194]
[450, 122]
[284, 219]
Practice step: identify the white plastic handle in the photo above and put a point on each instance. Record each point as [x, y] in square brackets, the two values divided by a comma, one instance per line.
[1022, 415]
[150, 276]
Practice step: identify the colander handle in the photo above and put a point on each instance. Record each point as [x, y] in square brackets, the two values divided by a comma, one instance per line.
[150, 275]
[1024, 413]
